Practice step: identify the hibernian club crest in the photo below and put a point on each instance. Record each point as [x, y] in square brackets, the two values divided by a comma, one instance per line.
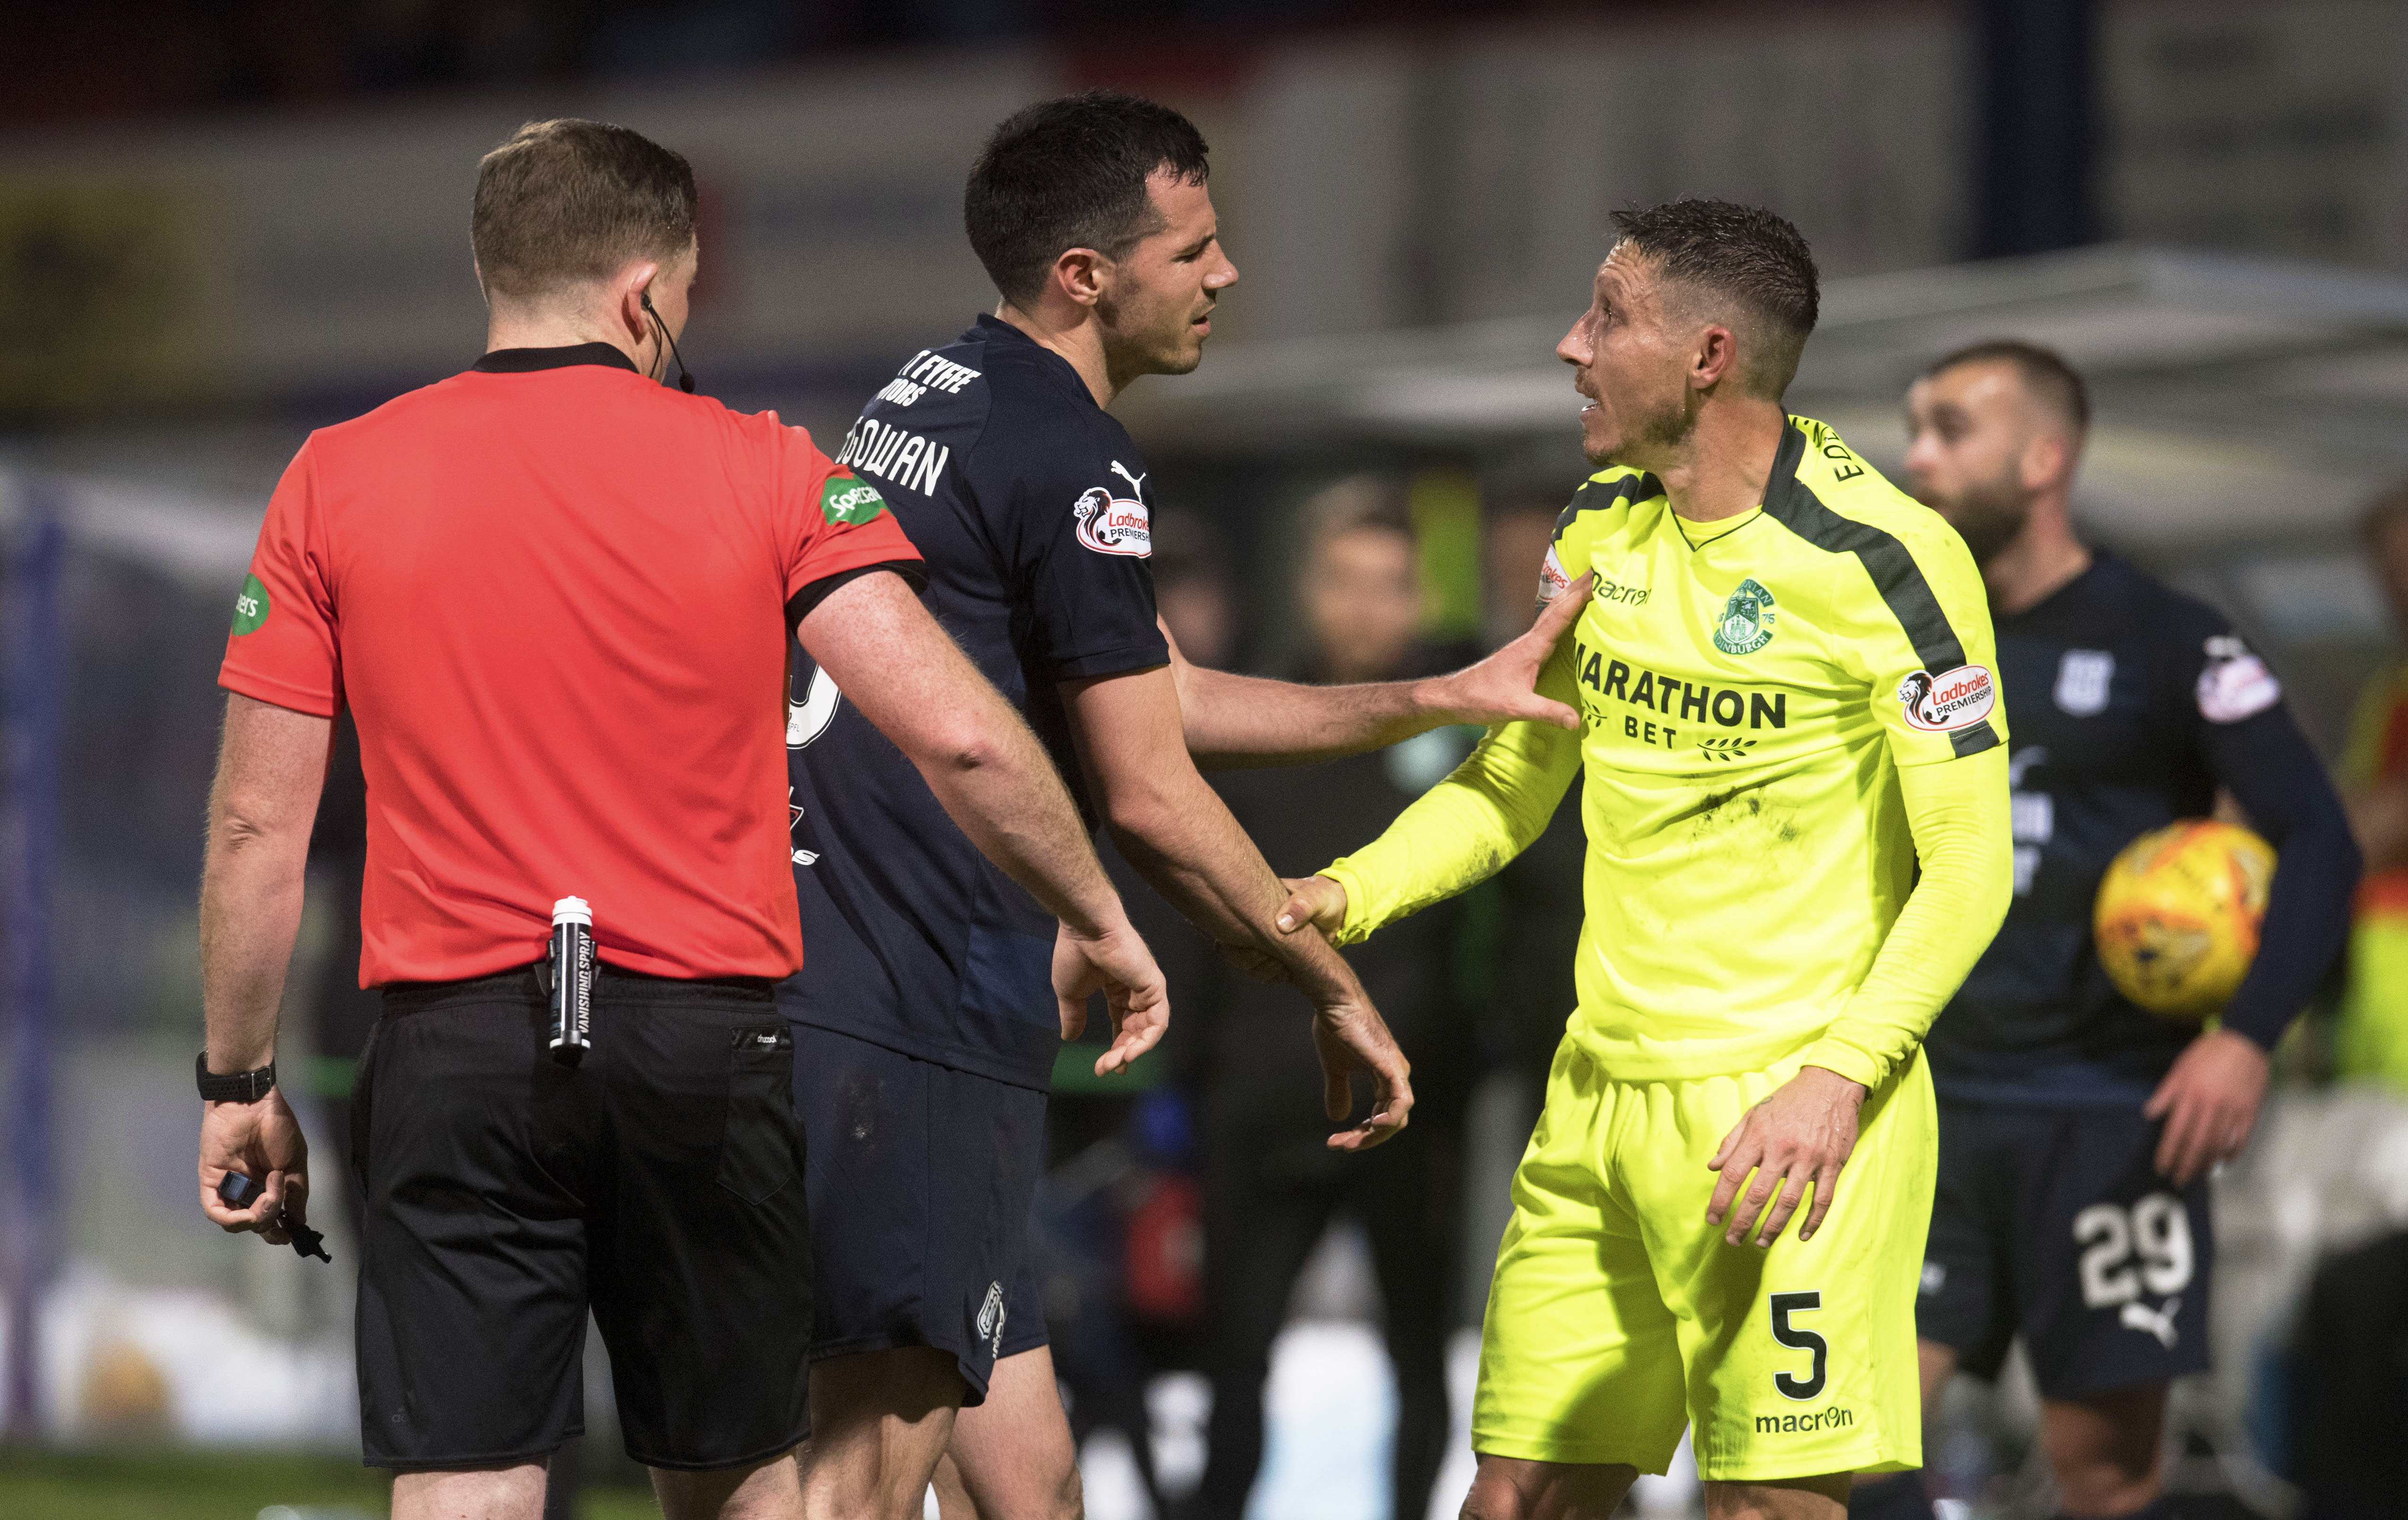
[1747, 624]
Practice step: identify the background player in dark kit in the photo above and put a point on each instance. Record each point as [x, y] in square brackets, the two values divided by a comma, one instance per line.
[553, 592]
[2076, 1130]
[927, 1040]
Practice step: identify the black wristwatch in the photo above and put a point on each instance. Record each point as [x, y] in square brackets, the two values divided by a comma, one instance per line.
[240, 1087]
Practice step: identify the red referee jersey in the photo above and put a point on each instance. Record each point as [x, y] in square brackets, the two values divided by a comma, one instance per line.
[556, 597]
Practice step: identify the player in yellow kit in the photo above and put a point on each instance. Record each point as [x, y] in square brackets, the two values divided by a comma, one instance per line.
[1784, 673]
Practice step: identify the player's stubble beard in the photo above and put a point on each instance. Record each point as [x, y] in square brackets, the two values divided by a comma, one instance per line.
[1139, 346]
[1659, 434]
[1987, 514]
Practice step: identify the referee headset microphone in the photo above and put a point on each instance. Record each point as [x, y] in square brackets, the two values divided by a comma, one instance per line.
[686, 375]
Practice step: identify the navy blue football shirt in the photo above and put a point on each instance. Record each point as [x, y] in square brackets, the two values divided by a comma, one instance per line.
[1028, 502]
[2130, 705]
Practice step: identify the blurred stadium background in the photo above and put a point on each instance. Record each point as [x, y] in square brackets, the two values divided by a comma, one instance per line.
[225, 221]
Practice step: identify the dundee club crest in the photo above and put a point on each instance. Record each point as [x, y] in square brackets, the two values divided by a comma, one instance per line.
[1746, 624]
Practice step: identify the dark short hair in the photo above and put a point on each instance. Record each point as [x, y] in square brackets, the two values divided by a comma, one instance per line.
[1746, 254]
[2044, 371]
[565, 202]
[1071, 173]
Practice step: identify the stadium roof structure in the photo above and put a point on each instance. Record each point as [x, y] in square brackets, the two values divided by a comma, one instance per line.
[2236, 399]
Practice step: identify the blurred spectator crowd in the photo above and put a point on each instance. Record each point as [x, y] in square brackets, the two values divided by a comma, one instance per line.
[186, 55]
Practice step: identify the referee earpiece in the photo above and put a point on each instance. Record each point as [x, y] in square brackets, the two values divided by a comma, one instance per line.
[686, 375]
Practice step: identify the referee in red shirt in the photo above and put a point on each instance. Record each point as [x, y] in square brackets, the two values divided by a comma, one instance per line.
[555, 594]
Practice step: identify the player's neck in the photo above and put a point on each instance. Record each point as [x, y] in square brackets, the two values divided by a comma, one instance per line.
[507, 329]
[1077, 340]
[1723, 466]
[2037, 563]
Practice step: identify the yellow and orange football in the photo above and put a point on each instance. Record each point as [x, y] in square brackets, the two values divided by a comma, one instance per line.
[2178, 915]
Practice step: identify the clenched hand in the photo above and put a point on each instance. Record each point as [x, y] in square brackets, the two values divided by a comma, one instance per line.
[262, 1140]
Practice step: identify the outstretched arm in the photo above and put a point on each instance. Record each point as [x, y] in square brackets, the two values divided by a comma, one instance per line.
[1454, 836]
[897, 667]
[1237, 721]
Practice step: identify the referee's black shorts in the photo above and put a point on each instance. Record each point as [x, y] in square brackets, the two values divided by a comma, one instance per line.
[659, 1183]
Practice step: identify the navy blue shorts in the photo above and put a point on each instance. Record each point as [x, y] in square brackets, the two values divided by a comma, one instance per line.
[2053, 1222]
[921, 1180]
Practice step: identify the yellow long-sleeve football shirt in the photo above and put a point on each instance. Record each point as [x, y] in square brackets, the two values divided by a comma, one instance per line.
[1778, 709]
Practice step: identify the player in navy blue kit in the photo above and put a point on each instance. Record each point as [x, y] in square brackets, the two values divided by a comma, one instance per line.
[927, 1029]
[2076, 1130]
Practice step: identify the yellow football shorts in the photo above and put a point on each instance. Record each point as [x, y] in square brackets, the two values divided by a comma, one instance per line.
[1618, 1315]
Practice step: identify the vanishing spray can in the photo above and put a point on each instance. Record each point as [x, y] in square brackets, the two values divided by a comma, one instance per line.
[572, 980]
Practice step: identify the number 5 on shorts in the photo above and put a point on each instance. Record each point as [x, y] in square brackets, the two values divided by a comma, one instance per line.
[1810, 1386]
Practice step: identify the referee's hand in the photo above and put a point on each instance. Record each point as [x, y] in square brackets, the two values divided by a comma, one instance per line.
[1117, 964]
[1802, 1134]
[261, 1140]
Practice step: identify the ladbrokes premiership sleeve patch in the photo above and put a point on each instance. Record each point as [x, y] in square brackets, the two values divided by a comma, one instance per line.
[1552, 582]
[1089, 537]
[1951, 700]
[1113, 521]
[2234, 683]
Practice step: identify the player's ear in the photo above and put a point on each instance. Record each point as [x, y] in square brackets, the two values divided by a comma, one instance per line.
[1715, 358]
[1081, 274]
[2046, 459]
[631, 295]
